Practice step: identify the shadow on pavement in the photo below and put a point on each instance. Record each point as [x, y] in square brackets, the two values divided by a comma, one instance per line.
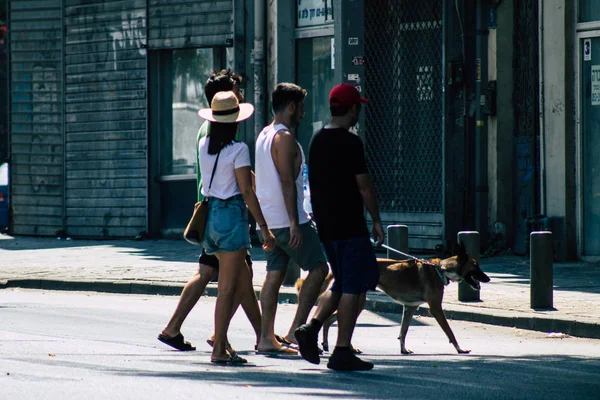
[570, 276]
[468, 377]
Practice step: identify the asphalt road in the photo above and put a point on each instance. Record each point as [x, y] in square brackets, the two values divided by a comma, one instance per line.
[73, 345]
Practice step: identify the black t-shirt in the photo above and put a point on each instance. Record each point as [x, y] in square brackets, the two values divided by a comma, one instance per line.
[336, 156]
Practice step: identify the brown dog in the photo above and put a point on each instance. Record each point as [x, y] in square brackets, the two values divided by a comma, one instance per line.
[414, 282]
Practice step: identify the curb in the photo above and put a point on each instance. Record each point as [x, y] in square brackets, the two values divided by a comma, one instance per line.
[148, 288]
[375, 302]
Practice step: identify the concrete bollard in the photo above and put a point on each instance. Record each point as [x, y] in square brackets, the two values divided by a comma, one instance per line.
[541, 255]
[397, 238]
[471, 241]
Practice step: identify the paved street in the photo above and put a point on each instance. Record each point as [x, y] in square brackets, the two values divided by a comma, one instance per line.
[71, 345]
[163, 266]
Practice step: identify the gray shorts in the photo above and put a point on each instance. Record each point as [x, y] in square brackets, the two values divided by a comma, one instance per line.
[308, 256]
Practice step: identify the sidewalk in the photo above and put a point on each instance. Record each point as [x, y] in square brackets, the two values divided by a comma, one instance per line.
[164, 266]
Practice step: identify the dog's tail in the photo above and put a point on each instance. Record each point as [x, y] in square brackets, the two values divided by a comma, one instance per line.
[298, 284]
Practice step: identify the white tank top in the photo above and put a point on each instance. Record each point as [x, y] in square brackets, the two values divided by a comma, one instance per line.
[268, 185]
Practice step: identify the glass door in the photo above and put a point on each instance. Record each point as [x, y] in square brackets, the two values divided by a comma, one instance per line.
[315, 69]
[589, 90]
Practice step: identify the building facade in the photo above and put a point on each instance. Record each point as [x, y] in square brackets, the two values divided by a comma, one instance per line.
[103, 101]
[483, 114]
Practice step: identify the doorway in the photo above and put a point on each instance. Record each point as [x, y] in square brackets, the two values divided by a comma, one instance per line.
[589, 143]
[176, 82]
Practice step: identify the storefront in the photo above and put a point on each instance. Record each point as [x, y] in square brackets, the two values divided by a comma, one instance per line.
[103, 111]
[393, 54]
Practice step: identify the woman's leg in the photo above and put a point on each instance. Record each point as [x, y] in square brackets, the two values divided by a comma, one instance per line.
[231, 266]
[248, 300]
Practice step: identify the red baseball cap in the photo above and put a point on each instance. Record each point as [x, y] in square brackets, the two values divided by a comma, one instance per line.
[345, 95]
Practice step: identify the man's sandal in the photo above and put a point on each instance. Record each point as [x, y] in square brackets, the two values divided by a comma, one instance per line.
[177, 342]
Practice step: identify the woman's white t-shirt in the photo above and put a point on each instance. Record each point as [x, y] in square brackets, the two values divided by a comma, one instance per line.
[235, 155]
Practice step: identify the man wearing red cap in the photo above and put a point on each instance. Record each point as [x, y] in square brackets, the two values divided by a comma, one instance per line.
[340, 188]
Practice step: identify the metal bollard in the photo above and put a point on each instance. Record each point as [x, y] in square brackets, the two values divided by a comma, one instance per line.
[541, 291]
[292, 274]
[397, 238]
[471, 241]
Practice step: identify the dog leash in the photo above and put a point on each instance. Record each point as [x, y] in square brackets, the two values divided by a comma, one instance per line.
[437, 268]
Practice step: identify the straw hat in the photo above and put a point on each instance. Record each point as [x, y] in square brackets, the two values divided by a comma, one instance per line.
[225, 107]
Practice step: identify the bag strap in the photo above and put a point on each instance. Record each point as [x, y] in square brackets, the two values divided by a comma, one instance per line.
[213, 171]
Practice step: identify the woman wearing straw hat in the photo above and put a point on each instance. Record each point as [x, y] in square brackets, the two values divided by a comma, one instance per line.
[226, 181]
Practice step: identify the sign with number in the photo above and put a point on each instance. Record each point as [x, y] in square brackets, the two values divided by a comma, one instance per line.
[596, 85]
[358, 60]
[587, 50]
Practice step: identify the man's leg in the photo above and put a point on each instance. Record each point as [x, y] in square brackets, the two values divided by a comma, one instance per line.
[343, 357]
[327, 306]
[268, 304]
[307, 335]
[347, 314]
[190, 295]
[359, 269]
[311, 289]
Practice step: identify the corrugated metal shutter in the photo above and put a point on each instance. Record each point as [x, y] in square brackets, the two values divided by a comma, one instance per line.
[105, 90]
[37, 162]
[189, 23]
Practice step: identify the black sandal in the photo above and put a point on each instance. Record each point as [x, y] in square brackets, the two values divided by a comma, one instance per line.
[285, 342]
[232, 360]
[176, 342]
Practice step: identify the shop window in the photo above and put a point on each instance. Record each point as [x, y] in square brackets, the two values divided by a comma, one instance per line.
[315, 74]
[176, 80]
[190, 68]
[589, 11]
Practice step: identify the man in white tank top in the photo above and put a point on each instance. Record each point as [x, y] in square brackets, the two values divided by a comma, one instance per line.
[279, 163]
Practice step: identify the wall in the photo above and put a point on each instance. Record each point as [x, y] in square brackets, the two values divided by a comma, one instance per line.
[36, 131]
[79, 106]
[105, 118]
[558, 124]
[501, 129]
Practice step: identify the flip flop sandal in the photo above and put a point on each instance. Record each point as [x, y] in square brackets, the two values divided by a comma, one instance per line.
[177, 342]
[285, 342]
[232, 360]
[228, 347]
[236, 359]
[282, 351]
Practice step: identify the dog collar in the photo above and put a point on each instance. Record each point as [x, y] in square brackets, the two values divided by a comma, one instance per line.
[442, 275]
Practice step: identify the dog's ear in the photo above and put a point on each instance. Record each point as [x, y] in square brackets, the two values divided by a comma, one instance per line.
[455, 249]
[463, 257]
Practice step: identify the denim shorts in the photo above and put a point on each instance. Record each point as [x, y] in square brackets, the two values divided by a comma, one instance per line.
[227, 225]
[353, 264]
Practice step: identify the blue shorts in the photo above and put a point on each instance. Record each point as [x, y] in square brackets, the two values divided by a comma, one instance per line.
[353, 264]
[227, 225]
